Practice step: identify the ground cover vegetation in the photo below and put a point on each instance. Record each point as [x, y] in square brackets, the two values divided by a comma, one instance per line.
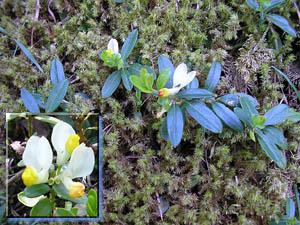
[162, 162]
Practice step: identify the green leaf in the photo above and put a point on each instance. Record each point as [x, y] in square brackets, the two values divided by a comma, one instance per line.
[134, 69]
[283, 221]
[213, 76]
[74, 211]
[139, 83]
[91, 206]
[250, 98]
[36, 190]
[163, 101]
[276, 136]
[164, 130]
[203, 115]
[39, 100]
[63, 193]
[29, 101]
[290, 208]
[288, 80]
[42, 208]
[248, 106]
[57, 71]
[30, 202]
[253, 4]
[150, 71]
[111, 84]
[193, 84]
[148, 79]
[129, 44]
[93, 200]
[125, 78]
[252, 136]
[163, 78]
[297, 200]
[258, 120]
[230, 99]
[63, 212]
[175, 123]
[164, 62]
[119, 1]
[227, 116]
[2, 212]
[195, 93]
[57, 94]
[282, 23]
[272, 4]
[4, 31]
[28, 54]
[271, 149]
[293, 116]
[276, 115]
[244, 116]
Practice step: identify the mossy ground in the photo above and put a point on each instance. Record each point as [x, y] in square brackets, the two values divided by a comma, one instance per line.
[208, 178]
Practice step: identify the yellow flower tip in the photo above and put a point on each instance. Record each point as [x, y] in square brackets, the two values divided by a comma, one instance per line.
[72, 143]
[76, 190]
[29, 176]
[164, 92]
[109, 52]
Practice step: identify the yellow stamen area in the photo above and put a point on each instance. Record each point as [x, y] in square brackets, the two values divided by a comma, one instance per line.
[29, 176]
[109, 52]
[76, 190]
[72, 143]
[163, 93]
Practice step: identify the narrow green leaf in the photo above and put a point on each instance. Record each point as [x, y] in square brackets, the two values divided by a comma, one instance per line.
[64, 212]
[2, 212]
[125, 78]
[57, 71]
[163, 78]
[276, 136]
[297, 200]
[164, 62]
[282, 23]
[175, 123]
[276, 115]
[227, 116]
[129, 44]
[29, 101]
[203, 115]
[28, 54]
[139, 83]
[290, 208]
[213, 76]
[111, 84]
[36, 190]
[272, 4]
[230, 99]
[195, 93]
[253, 4]
[92, 202]
[57, 94]
[90, 211]
[193, 84]
[42, 208]
[63, 193]
[244, 116]
[164, 130]
[288, 80]
[248, 106]
[271, 149]
[4, 31]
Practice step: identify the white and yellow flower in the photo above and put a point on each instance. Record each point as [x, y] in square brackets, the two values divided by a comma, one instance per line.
[112, 47]
[64, 140]
[81, 165]
[181, 78]
[37, 158]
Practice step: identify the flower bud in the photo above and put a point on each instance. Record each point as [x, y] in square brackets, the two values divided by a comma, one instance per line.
[163, 93]
[76, 190]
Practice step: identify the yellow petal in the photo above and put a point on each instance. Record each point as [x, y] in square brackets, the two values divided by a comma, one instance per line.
[29, 176]
[109, 52]
[72, 143]
[76, 190]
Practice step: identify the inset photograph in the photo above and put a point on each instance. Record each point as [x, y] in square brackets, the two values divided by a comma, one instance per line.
[53, 166]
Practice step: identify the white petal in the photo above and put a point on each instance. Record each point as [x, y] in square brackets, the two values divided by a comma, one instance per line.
[189, 77]
[82, 162]
[30, 154]
[60, 134]
[113, 45]
[43, 177]
[179, 74]
[44, 153]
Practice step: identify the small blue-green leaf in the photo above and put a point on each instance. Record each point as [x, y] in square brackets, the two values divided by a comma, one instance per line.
[282, 23]
[271, 149]
[227, 116]
[164, 130]
[193, 84]
[111, 84]
[195, 93]
[175, 123]
[134, 69]
[39, 100]
[36, 190]
[63, 193]
[28, 54]
[29, 101]
[150, 71]
[213, 76]
[293, 116]
[57, 71]
[253, 4]
[129, 44]
[276, 136]
[290, 208]
[230, 99]
[125, 78]
[164, 62]
[42, 208]
[276, 115]
[63, 212]
[244, 116]
[250, 98]
[248, 106]
[203, 115]
[4, 31]
[272, 4]
[57, 94]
